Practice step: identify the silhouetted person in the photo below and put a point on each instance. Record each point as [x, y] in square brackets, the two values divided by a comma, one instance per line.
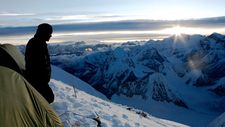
[38, 69]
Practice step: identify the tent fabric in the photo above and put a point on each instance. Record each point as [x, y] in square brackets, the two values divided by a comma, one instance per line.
[7, 61]
[11, 57]
[21, 105]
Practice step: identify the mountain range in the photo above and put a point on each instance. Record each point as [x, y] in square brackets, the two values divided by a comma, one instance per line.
[182, 75]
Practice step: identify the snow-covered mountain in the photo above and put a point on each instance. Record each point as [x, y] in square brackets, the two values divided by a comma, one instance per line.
[76, 105]
[180, 78]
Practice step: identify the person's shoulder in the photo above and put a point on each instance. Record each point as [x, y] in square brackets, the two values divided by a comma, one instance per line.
[32, 40]
[32, 43]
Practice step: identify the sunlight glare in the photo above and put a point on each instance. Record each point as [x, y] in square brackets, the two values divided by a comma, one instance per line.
[177, 30]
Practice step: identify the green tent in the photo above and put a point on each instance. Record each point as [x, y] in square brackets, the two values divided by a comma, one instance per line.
[12, 58]
[20, 104]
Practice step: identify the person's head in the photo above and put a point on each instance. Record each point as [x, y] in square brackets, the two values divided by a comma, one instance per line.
[44, 31]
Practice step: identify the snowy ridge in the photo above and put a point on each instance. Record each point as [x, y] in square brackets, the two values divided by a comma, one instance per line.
[78, 108]
[75, 82]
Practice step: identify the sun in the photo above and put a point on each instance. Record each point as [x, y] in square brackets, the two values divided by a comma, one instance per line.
[177, 30]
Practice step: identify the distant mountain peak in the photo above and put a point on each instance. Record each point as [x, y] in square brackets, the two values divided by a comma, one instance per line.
[217, 36]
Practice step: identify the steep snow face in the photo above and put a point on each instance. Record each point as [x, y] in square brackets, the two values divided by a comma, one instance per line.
[78, 108]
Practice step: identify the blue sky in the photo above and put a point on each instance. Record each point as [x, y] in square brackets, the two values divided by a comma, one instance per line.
[32, 12]
[110, 20]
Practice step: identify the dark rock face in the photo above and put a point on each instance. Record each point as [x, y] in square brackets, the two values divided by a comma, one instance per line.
[159, 92]
[219, 90]
[134, 86]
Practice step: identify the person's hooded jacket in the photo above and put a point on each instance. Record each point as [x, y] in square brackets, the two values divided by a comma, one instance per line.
[38, 68]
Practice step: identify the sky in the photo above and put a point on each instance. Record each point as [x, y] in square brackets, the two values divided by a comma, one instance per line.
[22, 13]
[30, 12]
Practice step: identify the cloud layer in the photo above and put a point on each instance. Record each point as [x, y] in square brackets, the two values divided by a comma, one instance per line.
[125, 25]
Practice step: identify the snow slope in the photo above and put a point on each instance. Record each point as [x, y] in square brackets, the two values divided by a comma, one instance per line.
[76, 105]
[60, 75]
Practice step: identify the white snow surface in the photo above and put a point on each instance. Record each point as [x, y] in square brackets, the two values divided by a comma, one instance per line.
[77, 104]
